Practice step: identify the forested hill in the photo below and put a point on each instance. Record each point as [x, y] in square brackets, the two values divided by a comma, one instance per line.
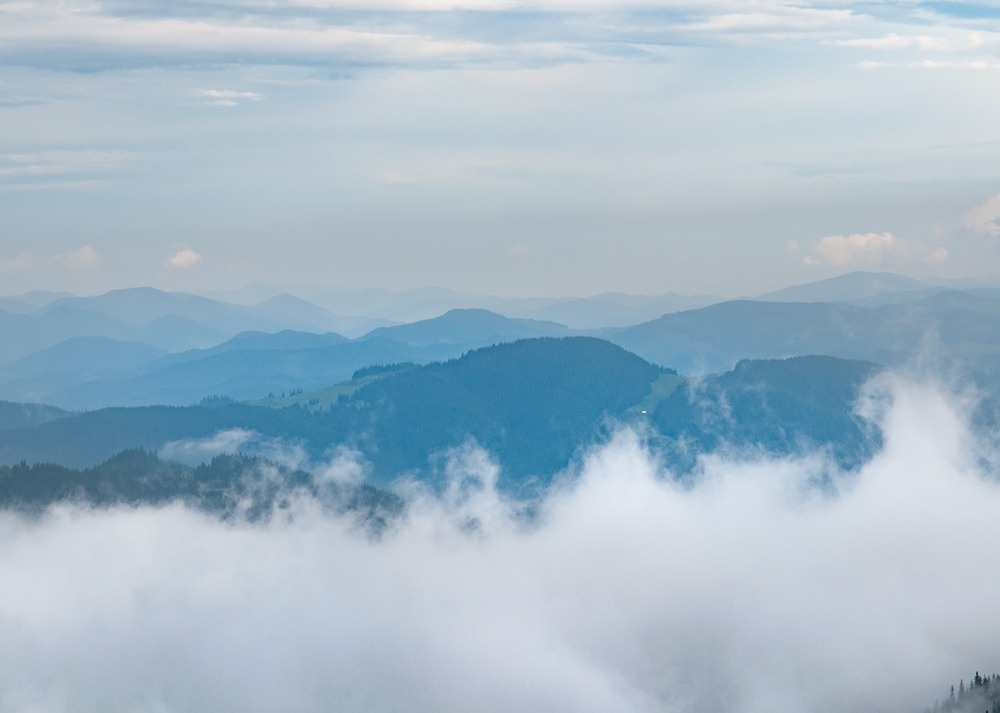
[17, 415]
[228, 486]
[981, 695]
[771, 406]
[533, 404]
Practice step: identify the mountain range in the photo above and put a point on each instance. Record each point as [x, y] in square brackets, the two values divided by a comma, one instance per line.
[146, 347]
[147, 369]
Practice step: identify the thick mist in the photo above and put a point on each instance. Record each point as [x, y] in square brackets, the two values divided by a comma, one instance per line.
[752, 590]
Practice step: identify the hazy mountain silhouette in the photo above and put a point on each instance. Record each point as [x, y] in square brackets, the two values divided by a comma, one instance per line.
[297, 313]
[468, 328]
[935, 323]
[18, 415]
[25, 334]
[849, 287]
[716, 337]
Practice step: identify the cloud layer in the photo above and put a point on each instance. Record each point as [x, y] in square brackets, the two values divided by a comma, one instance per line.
[748, 592]
[394, 32]
[630, 144]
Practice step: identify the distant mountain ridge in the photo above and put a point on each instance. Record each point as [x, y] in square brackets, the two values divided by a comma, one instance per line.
[609, 309]
[253, 364]
[473, 327]
[714, 338]
[849, 287]
[174, 321]
[889, 326]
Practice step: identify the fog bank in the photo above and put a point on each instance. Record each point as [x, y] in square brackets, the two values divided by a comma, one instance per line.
[751, 591]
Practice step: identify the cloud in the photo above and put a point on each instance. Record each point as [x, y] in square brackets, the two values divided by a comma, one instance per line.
[869, 250]
[195, 451]
[774, 17]
[968, 65]
[59, 168]
[247, 442]
[924, 43]
[228, 97]
[83, 259]
[747, 591]
[984, 218]
[399, 32]
[184, 258]
[91, 34]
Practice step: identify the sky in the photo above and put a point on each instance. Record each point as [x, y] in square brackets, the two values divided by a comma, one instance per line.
[747, 591]
[553, 148]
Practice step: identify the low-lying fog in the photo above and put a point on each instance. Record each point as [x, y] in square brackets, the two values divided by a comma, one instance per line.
[752, 591]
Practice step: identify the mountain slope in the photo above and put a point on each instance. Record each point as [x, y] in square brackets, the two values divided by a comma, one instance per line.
[246, 374]
[469, 328]
[773, 407]
[84, 354]
[19, 415]
[715, 338]
[532, 403]
[849, 287]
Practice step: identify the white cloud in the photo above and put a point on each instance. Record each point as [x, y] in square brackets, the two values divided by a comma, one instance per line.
[924, 43]
[86, 28]
[860, 248]
[295, 32]
[984, 218]
[967, 65]
[44, 165]
[870, 250]
[976, 65]
[228, 97]
[774, 17]
[83, 259]
[241, 440]
[195, 451]
[747, 591]
[184, 258]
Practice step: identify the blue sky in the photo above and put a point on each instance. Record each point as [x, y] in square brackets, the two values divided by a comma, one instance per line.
[550, 148]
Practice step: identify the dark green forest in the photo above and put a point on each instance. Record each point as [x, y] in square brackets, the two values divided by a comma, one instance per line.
[228, 486]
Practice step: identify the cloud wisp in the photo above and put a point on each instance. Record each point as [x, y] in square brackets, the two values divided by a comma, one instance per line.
[184, 258]
[872, 250]
[748, 592]
[984, 218]
[237, 440]
[84, 259]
